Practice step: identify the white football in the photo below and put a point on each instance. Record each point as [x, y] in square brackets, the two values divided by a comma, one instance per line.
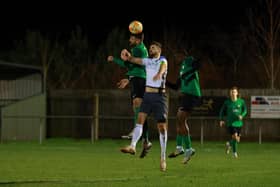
[135, 27]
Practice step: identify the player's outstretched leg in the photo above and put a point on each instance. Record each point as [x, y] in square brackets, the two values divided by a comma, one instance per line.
[189, 153]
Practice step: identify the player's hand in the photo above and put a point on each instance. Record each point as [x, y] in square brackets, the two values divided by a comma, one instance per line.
[123, 83]
[222, 123]
[240, 117]
[110, 58]
[157, 77]
[125, 55]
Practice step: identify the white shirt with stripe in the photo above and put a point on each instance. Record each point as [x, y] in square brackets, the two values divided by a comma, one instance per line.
[152, 66]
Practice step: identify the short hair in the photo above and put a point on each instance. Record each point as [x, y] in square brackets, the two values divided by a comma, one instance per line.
[156, 43]
[139, 36]
[235, 88]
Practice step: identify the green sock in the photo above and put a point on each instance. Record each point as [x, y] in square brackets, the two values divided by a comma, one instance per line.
[136, 111]
[145, 133]
[231, 143]
[234, 146]
[179, 140]
[187, 141]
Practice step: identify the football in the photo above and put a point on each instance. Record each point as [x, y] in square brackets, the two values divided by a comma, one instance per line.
[135, 27]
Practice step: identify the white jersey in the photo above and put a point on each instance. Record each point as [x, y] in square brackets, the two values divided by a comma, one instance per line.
[152, 68]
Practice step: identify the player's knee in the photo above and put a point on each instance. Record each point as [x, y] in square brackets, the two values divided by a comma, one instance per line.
[137, 102]
[234, 136]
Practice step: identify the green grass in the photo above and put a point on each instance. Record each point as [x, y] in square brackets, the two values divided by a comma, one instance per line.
[67, 162]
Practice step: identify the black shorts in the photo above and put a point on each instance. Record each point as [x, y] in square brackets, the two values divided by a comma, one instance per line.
[188, 102]
[155, 103]
[232, 130]
[137, 87]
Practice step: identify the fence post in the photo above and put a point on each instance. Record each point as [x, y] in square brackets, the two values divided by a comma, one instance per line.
[260, 133]
[96, 116]
[201, 132]
[41, 130]
[92, 130]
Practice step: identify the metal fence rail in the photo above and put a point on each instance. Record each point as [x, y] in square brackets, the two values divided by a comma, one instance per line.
[95, 123]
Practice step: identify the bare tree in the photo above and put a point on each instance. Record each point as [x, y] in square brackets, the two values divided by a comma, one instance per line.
[38, 50]
[101, 73]
[47, 54]
[76, 60]
[265, 23]
[177, 44]
[228, 49]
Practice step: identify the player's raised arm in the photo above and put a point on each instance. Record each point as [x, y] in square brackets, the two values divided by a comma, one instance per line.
[126, 56]
[162, 70]
[123, 83]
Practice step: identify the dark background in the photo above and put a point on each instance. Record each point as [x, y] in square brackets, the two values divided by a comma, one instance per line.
[98, 18]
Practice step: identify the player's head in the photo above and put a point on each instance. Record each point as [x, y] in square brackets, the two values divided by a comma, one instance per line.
[136, 39]
[179, 55]
[234, 92]
[155, 49]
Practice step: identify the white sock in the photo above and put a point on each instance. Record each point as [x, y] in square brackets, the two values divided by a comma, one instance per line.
[163, 143]
[137, 132]
[179, 147]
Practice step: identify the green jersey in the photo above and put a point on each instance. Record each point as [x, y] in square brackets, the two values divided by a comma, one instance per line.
[232, 110]
[189, 77]
[134, 70]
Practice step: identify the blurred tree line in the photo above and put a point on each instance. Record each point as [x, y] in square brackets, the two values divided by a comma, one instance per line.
[248, 57]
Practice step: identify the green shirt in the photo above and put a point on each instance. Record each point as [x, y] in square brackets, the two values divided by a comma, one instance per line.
[134, 70]
[232, 110]
[189, 77]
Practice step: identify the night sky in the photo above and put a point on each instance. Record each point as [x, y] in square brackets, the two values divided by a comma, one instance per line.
[97, 21]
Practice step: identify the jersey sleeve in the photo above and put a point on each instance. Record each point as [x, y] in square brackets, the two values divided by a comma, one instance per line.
[145, 61]
[222, 112]
[163, 61]
[138, 52]
[120, 62]
[244, 109]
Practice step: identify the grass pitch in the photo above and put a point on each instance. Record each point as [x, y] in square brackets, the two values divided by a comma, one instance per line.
[67, 162]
